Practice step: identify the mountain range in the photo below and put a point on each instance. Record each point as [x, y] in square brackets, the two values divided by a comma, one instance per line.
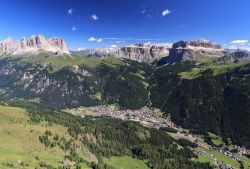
[149, 53]
[35, 44]
[169, 53]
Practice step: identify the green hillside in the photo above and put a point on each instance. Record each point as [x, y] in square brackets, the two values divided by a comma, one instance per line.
[126, 162]
[76, 81]
[39, 138]
[20, 146]
[206, 97]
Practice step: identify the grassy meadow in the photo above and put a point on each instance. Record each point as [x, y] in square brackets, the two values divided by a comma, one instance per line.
[19, 141]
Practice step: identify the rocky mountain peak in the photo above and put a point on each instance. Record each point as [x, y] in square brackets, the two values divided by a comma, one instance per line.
[59, 44]
[181, 44]
[23, 42]
[205, 43]
[234, 56]
[37, 41]
[193, 51]
[197, 43]
[34, 44]
[9, 45]
[144, 52]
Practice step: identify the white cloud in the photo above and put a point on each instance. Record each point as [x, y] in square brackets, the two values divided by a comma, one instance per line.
[94, 17]
[148, 39]
[99, 40]
[239, 42]
[242, 47]
[70, 11]
[165, 12]
[74, 29]
[114, 46]
[92, 39]
[82, 48]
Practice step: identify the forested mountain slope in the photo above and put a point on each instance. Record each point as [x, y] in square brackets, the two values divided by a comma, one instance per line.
[64, 82]
[204, 96]
[59, 140]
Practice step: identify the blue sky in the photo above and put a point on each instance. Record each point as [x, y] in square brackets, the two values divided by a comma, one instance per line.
[102, 23]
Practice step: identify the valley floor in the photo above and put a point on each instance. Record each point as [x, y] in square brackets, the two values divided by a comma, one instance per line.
[216, 154]
[21, 147]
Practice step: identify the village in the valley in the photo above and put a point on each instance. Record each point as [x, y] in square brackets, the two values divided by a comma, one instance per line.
[153, 118]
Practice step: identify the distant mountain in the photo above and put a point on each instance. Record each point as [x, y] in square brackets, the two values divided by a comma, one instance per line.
[150, 53]
[98, 52]
[36, 44]
[234, 56]
[139, 52]
[145, 52]
[193, 51]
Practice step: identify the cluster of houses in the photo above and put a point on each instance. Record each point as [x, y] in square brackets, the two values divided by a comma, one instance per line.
[234, 152]
[150, 117]
[145, 115]
[221, 165]
[218, 163]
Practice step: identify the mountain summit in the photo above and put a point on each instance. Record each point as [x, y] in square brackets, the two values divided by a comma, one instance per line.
[193, 51]
[35, 44]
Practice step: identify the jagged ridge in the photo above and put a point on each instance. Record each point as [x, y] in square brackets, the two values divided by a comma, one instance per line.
[36, 44]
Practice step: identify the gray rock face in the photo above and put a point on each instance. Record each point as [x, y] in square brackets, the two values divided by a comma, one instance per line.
[139, 52]
[35, 44]
[144, 52]
[9, 45]
[179, 55]
[181, 44]
[205, 43]
[23, 43]
[193, 51]
[37, 41]
[234, 57]
[97, 53]
[58, 44]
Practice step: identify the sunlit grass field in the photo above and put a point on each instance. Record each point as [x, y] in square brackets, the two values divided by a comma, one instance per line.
[19, 141]
[126, 162]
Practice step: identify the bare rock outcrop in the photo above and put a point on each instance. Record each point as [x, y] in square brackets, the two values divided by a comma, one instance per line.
[9, 45]
[193, 51]
[234, 56]
[205, 43]
[144, 52]
[139, 52]
[23, 43]
[36, 44]
[59, 44]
